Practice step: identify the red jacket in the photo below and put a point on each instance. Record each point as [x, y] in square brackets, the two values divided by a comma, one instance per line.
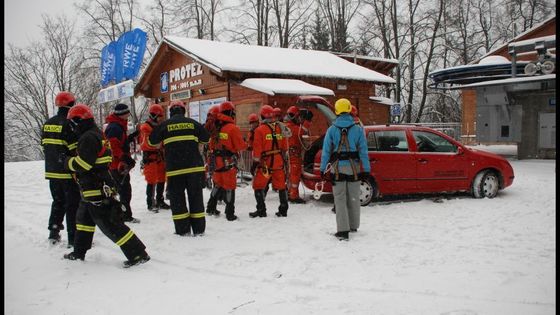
[295, 141]
[269, 148]
[227, 138]
[116, 134]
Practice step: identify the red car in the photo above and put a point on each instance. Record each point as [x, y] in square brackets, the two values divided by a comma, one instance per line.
[408, 159]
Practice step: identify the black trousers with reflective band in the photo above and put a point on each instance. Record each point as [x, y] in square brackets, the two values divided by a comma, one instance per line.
[183, 217]
[108, 218]
[66, 198]
[125, 190]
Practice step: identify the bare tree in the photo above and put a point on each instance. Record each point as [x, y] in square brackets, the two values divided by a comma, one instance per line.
[253, 23]
[28, 91]
[291, 16]
[430, 54]
[339, 14]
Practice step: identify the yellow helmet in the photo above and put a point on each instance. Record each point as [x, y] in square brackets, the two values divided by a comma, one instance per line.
[342, 106]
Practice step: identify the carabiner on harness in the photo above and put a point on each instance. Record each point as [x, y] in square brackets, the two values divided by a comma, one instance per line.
[318, 192]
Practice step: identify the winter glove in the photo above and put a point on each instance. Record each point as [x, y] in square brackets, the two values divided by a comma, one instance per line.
[363, 176]
[129, 161]
[254, 167]
[131, 137]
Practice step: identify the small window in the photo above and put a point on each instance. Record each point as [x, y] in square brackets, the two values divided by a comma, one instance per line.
[430, 142]
[394, 140]
[505, 132]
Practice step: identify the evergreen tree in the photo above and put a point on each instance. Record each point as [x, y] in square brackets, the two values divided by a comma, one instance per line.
[320, 34]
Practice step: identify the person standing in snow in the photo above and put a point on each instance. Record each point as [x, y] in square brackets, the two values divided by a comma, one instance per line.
[344, 149]
[58, 142]
[295, 144]
[99, 205]
[184, 167]
[269, 156]
[225, 147]
[152, 161]
[116, 134]
[253, 124]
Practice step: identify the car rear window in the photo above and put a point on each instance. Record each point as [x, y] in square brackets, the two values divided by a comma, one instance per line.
[389, 140]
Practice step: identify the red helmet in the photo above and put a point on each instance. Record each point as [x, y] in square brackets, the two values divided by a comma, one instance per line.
[214, 110]
[64, 99]
[226, 106]
[253, 118]
[267, 112]
[81, 111]
[354, 110]
[155, 110]
[293, 111]
[277, 111]
[177, 103]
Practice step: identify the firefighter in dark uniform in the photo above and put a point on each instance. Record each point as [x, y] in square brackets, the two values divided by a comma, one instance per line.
[184, 167]
[58, 142]
[99, 205]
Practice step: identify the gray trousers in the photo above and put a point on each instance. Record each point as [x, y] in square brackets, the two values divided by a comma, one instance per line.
[347, 203]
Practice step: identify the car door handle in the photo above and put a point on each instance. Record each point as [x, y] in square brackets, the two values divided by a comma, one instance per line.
[423, 161]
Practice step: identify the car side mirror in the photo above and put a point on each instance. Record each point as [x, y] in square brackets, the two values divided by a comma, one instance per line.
[460, 151]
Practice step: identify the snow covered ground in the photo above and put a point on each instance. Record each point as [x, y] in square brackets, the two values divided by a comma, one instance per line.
[459, 257]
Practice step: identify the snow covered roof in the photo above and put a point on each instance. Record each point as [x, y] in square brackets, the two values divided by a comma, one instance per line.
[389, 60]
[493, 51]
[533, 41]
[382, 100]
[516, 80]
[220, 57]
[285, 86]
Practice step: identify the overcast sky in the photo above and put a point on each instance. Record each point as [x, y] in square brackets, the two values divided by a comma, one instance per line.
[23, 17]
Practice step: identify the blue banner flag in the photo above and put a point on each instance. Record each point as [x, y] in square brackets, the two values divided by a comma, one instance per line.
[133, 53]
[130, 53]
[108, 63]
[119, 51]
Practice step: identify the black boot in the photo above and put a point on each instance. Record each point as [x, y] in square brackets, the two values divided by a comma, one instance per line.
[261, 206]
[159, 197]
[342, 236]
[54, 236]
[283, 208]
[140, 259]
[150, 198]
[213, 201]
[74, 256]
[230, 205]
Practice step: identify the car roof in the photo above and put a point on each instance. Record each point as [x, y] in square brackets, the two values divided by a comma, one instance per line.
[396, 127]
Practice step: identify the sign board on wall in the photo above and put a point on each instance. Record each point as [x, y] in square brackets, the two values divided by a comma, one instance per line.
[181, 78]
[199, 110]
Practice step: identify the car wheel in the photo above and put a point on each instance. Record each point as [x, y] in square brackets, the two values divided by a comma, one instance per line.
[368, 191]
[485, 184]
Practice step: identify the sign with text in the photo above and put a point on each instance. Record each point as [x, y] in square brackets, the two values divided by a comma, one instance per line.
[180, 78]
[108, 61]
[115, 92]
[121, 59]
[396, 109]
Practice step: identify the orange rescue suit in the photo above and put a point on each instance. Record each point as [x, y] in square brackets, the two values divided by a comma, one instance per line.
[269, 147]
[154, 166]
[224, 147]
[295, 154]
